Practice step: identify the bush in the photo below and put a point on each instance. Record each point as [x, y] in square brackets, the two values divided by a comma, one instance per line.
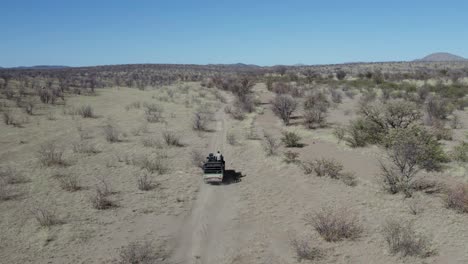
[154, 113]
[362, 132]
[145, 182]
[438, 108]
[291, 140]
[327, 167]
[305, 251]
[401, 238]
[4, 191]
[284, 106]
[336, 96]
[460, 152]
[69, 183]
[270, 144]
[85, 147]
[154, 164]
[336, 225]
[231, 138]
[112, 133]
[13, 118]
[171, 139]
[86, 111]
[348, 178]
[291, 157]
[100, 200]
[10, 175]
[50, 154]
[140, 253]
[200, 121]
[457, 198]
[339, 133]
[44, 216]
[315, 118]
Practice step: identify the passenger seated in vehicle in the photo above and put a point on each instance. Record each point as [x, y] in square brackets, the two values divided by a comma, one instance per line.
[218, 156]
[211, 157]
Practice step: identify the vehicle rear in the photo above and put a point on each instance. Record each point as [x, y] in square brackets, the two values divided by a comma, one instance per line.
[213, 172]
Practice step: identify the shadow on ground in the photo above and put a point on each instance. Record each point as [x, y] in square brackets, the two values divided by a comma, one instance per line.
[232, 176]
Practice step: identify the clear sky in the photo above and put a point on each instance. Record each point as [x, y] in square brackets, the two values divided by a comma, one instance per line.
[97, 32]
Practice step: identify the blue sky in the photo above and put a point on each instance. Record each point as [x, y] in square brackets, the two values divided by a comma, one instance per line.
[98, 32]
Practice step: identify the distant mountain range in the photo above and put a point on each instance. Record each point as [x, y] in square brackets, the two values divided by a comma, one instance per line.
[38, 67]
[442, 57]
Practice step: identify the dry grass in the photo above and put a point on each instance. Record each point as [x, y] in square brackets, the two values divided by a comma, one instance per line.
[100, 200]
[305, 250]
[171, 139]
[270, 144]
[85, 147]
[401, 238]
[10, 175]
[145, 181]
[69, 182]
[151, 142]
[327, 167]
[141, 253]
[154, 113]
[152, 164]
[291, 157]
[231, 138]
[45, 216]
[50, 154]
[335, 225]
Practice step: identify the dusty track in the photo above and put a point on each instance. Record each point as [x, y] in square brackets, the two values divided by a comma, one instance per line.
[208, 235]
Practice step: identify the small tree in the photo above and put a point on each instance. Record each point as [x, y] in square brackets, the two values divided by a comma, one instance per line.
[284, 106]
[340, 75]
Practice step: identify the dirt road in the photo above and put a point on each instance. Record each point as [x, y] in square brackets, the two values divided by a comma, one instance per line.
[208, 235]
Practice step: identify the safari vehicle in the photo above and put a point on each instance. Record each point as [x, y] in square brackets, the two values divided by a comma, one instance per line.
[213, 169]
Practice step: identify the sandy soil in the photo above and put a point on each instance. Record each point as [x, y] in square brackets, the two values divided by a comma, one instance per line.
[250, 221]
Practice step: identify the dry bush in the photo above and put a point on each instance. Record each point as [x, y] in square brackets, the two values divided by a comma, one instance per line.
[145, 182]
[45, 216]
[270, 144]
[291, 140]
[154, 113]
[86, 111]
[198, 158]
[401, 238]
[13, 118]
[438, 108]
[142, 129]
[348, 178]
[339, 133]
[11, 175]
[69, 182]
[237, 113]
[337, 96]
[4, 191]
[136, 105]
[460, 152]
[457, 198]
[100, 200]
[455, 122]
[200, 120]
[231, 138]
[327, 167]
[151, 142]
[335, 225]
[153, 164]
[291, 157]
[112, 133]
[171, 139]
[305, 250]
[85, 147]
[284, 106]
[415, 206]
[141, 253]
[50, 154]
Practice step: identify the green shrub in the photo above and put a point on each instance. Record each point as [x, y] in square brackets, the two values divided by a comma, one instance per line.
[291, 140]
[460, 152]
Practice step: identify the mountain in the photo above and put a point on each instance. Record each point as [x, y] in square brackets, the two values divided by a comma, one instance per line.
[38, 67]
[442, 56]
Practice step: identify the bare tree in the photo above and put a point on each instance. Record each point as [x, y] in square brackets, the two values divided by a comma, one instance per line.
[284, 106]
